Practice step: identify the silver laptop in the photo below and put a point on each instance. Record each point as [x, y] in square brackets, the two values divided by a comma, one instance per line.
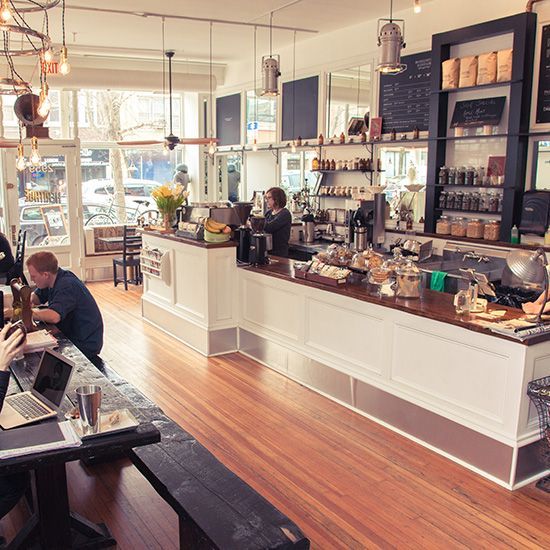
[46, 395]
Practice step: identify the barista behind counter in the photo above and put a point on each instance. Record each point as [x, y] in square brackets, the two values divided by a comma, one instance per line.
[278, 221]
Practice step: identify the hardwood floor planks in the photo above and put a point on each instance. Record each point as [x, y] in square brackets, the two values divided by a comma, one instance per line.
[346, 481]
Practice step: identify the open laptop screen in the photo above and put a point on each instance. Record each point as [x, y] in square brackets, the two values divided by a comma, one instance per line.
[53, 377]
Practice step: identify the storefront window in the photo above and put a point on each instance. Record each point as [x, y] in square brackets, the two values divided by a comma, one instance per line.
[117, 183]
[111, 115]
[261, 119]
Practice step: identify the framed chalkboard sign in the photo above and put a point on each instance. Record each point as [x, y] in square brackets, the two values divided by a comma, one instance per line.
[300, 108]
[228, 119]
[478, 112]
[54, 220]
[543, 96]
[405, 97]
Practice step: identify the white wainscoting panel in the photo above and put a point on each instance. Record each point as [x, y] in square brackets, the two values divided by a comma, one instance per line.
[451, 371]
[191, 276]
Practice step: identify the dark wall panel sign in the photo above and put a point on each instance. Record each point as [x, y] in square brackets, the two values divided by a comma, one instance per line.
[228, 119]
[300, 108]
[405, 98]
[478, 112]
[543, 97]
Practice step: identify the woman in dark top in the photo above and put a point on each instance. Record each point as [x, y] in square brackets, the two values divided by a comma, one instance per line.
[278, 221]
[12, 486]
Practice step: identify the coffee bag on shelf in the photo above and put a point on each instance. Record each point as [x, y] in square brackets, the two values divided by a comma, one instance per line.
[468, 71]
[487, 68]
[504, 65]
[450, 70]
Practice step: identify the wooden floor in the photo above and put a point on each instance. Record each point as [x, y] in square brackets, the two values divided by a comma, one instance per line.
[346, 481]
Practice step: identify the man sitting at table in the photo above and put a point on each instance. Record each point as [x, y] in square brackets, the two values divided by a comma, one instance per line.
[70, 305]
[12, 486]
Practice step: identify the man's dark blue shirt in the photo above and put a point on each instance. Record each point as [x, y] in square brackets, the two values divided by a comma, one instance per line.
[81, 320]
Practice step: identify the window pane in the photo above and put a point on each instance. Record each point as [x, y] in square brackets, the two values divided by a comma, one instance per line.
[291, 181]
[261, 119]
[110, 115]
[134, 173]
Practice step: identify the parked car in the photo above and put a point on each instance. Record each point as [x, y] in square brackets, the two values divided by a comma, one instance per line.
[32, 221]
[101, 191]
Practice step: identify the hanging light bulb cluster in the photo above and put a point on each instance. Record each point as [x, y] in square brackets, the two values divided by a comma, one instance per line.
[417, 6]
[32, 43]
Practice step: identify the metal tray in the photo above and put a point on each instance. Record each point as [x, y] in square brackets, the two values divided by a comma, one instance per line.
[127, 422]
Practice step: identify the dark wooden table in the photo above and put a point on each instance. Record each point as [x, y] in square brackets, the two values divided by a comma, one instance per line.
[53, 525]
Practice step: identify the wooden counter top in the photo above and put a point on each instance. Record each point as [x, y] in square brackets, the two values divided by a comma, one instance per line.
[432, 305]
[184, 240]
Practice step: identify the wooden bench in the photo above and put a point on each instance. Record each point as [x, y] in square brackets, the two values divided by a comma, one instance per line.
[216, 508]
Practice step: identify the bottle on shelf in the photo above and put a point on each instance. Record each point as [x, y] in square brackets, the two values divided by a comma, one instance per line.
[342, 138]
[514, 235]
[321, 139]
[416, 132]
[379, 164]
[393, 135]
[315, 164]
[363, 137]
[332, 165]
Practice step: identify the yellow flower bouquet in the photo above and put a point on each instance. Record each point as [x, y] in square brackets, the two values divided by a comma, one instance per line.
[169, 197]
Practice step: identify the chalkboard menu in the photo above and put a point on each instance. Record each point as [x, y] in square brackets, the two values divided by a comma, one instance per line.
[228, 119]
[478, 112]
[405, 98]
[543, 98]
[300, 108]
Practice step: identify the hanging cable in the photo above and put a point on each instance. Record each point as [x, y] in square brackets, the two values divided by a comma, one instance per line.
[293, 92]
[163, 23]
[255, 141]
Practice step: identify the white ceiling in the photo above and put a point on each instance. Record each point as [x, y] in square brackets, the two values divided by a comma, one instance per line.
[105, 34]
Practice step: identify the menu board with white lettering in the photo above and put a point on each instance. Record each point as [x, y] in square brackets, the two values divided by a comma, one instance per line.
[478, 112]
[405, 98]
[543, 97]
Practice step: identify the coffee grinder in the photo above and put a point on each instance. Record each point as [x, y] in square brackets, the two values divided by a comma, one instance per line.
[258, 242]
[243, 233]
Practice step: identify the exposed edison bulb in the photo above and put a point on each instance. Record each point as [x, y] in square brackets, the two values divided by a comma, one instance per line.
[5, 11]
[48, 55]
[417, 6]
[211, 148]
[254, 145]
[293, 147]
[64, 66]
[21, 163]
[45, 104]
[35, 155]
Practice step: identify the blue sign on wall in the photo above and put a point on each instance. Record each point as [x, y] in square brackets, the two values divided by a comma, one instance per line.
[252, 125]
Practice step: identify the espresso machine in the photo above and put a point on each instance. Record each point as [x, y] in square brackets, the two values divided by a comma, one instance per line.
[367, 224]
[243, 233]
[258, 241]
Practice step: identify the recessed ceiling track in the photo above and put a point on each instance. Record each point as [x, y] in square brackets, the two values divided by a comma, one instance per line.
[188, 18]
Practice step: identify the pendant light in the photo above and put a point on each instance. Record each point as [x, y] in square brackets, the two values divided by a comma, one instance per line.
[391, 40]
[255, 141]
[270, 67]
[211, 146]
[64, 66]
[417, 6]
[5, 11]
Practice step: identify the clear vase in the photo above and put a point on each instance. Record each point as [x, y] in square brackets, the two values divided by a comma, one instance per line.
[167, 221]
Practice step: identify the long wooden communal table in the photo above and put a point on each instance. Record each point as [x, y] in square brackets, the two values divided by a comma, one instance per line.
[53, 525]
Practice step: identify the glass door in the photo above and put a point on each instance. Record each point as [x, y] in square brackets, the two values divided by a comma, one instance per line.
[43, 201]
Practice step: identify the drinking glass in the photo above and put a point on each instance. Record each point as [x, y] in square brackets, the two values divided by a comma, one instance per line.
[89, 404]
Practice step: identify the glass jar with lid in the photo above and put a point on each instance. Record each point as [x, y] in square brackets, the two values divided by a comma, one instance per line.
[409, 281]
[458, 200]
[474, 229]
[470, 171]
[443, 176]
[459, 227]
[493, 201]
[474, 202]
[467, 201]
[450, 200]
[461, 176]
[393, 264]
[442, 199]
[491, 231]
[443, 226]
[452, 176]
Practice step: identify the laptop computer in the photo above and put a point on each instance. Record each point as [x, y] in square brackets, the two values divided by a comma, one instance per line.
[46, 395]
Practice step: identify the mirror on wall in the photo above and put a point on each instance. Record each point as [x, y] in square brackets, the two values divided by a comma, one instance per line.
[541, 165]
[349, 94]
[229, 182]
[404, 175]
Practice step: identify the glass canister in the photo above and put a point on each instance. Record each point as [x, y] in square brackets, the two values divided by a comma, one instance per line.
[442, 199]
[459, 227]
[452, 176]
[491, 231]
[467, 201]
[443, 175]
[461, 176]
[450, 201]
[475, 229]
[459, 195]
[409, 281]
[443, 226]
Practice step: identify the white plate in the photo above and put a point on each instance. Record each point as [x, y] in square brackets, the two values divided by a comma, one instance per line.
[127, 422]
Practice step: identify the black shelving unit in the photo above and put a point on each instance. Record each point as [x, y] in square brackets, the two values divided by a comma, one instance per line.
[523, 29]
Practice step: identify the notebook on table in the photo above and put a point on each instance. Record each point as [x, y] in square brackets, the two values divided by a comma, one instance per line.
[44, 398]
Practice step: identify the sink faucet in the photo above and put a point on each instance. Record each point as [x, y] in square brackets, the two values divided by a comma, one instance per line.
[472, 255]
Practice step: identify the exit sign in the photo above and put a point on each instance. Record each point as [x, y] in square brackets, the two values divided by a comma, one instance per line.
[50, 68]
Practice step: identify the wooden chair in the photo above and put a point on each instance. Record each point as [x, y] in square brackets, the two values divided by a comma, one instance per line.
[16, 272]
[131, 246]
